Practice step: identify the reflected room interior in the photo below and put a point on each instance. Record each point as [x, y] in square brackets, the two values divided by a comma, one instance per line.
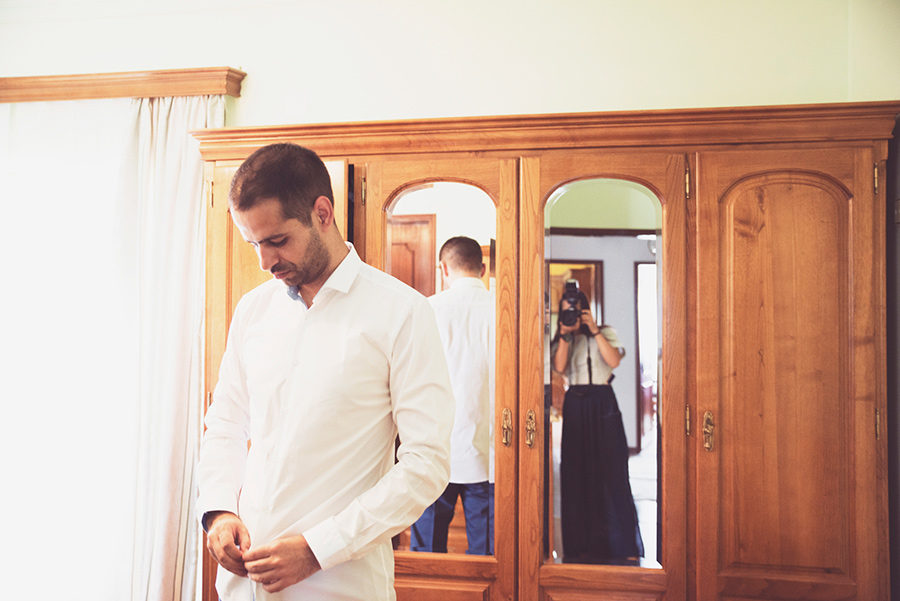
[603, 237]
[419, 221]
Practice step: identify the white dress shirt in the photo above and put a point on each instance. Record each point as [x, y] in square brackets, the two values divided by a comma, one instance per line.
[322, 393]
[465, 317]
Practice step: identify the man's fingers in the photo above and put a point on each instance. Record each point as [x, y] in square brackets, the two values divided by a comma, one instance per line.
[242, 537]
[274, 587]
[265, 571]
[258, 553]
[262, 574]
[231, 550]
[223, 541]
[229, 557]
[224, 556]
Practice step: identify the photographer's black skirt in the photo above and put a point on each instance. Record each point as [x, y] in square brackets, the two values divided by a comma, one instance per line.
[599, 518]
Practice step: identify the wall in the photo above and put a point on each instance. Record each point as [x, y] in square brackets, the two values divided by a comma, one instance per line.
[310, 61]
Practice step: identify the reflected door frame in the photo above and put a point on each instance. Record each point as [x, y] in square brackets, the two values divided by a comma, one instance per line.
[596, 291]
[645, 406]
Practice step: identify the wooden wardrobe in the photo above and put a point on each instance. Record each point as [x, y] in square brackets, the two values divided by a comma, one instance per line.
[773, 446]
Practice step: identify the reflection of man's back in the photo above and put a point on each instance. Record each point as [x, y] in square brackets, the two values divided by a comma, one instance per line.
[465, 316]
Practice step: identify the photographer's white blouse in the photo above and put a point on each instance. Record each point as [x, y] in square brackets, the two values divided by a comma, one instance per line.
[576, 365]
[321, 394]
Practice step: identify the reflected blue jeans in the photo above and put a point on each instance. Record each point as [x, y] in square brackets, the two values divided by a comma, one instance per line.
[429, 533]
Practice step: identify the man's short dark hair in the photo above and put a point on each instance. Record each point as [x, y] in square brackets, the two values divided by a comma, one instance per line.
[462, 253]
[293, 175]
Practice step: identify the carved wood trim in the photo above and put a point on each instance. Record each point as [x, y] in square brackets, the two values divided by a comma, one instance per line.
[143, 84]
[865, 121]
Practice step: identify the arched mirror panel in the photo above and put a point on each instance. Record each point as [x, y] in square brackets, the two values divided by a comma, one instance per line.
[602, 347]
[441, 236]
[465, 207]
[602, 300]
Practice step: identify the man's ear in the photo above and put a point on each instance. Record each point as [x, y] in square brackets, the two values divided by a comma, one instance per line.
[483, 268]
[323, 212]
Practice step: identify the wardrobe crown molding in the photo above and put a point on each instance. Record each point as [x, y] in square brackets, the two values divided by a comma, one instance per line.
[138, 84]
[863, 121]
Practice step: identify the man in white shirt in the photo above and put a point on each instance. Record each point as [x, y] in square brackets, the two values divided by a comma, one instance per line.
[322, 370]
[465, 316]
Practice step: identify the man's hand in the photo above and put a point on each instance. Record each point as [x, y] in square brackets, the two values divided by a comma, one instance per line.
[227, 539]
[281, 563]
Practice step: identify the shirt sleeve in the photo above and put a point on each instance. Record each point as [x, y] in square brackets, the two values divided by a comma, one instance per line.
[611, 335]
[223, 450]
[423, 408]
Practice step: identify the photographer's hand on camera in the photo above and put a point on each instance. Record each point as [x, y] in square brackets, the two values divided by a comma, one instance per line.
[587, 319]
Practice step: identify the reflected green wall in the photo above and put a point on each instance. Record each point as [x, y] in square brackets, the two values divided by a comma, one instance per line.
[603, 204]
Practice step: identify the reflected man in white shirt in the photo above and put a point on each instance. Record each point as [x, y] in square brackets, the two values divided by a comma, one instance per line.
[325, 365]
[465, 315]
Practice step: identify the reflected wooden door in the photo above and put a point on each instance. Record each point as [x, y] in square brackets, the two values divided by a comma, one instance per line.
[790, 272]
[412, 253]
[459, 577]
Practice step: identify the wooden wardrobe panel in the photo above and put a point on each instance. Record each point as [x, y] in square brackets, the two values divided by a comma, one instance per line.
[663, 173]
[785, 306]
[465, 576]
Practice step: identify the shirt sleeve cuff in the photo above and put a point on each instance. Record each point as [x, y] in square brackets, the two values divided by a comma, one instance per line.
[208, 503]
[327, 544]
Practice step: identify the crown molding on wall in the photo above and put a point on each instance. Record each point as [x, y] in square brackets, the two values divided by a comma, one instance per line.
[140, 84]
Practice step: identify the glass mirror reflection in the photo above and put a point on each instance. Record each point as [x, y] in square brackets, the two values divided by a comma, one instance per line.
[602, 347]
[419, 224]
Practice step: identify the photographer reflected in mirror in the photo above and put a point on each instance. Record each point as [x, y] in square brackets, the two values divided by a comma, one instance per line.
[599, 518]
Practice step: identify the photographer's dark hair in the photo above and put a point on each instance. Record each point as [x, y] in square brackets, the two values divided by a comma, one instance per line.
[462, 253]
[291, 174]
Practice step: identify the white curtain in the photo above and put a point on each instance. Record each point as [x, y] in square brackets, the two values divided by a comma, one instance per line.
[171, 215]
[100, 321]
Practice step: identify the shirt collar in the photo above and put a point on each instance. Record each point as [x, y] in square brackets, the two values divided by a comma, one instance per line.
[467, 282]
[340, 279]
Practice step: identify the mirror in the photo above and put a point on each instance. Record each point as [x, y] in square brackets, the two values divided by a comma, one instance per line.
[602, 347]
[419, 221]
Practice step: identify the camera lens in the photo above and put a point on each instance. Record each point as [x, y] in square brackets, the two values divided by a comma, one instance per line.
[569, 317]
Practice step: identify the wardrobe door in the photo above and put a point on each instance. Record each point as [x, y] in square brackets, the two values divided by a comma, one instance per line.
[789, 479]
[475, 197]
[547, 569]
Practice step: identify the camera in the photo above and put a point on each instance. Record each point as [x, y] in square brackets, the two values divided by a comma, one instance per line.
[569, 316]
